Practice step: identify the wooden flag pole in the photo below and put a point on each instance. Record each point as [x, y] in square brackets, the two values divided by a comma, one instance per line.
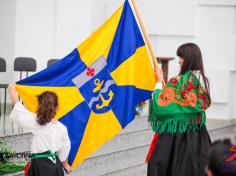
[149, 45]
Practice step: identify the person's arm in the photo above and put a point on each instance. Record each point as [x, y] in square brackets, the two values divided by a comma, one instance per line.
[159, 77]
[13, 93]
[67, 166]
[158, 87]
[19, 113]
[65, 149]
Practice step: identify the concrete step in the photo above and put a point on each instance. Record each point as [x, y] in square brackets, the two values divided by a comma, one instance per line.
[113, 162]
[135, 134]
[137, 170]
[131, 138]
[125, 154]
[228, 131]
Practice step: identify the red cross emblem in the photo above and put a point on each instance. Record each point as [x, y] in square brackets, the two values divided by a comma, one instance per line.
[90, 71]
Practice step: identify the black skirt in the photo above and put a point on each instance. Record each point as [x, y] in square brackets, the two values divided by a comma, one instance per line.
[180, 154]
[46, 167]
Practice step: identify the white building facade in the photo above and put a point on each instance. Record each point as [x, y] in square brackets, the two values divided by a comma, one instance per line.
[46, 29]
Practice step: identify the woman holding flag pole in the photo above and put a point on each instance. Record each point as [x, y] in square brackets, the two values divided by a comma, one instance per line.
[181, 141]
[177, 113]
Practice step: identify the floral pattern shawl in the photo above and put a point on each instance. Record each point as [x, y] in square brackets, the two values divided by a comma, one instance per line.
[180, 105]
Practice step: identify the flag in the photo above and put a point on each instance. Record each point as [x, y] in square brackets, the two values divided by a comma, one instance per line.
[98, 84]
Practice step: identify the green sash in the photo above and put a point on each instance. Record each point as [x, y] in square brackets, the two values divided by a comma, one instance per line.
[44, 155]
[180, 105]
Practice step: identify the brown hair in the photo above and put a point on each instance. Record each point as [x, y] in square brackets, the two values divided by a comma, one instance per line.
[192, 56]
[47, 107]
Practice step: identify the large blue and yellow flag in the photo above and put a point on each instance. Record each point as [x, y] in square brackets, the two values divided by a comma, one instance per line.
[98, 84]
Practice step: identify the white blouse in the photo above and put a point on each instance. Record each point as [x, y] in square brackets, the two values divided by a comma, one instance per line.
[51, 136]
[158, 85]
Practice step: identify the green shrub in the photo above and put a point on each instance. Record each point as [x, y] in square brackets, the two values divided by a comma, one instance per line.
[4, 149]
[7, 167]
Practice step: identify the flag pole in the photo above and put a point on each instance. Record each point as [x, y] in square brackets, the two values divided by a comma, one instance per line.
[149, 45]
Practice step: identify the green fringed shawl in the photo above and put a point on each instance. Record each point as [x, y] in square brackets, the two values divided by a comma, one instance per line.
[180, 105]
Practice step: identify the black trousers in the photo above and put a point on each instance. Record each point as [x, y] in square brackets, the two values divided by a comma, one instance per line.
[46, 167]
[180, 154]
